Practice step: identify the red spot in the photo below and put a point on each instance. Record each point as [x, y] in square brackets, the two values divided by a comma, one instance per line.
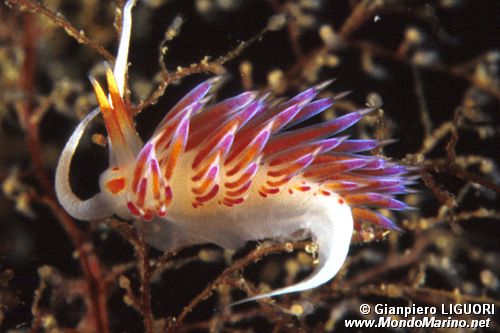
[341, 201]
[116, 185]
[304, 188]
[148, 216]
[290, 191]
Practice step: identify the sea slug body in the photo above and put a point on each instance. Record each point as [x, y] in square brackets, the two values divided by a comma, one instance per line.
[233, 171]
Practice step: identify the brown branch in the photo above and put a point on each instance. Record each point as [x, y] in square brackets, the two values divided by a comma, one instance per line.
[308, 60]
[425, 116]
[145, 273]
[30, 122]
[238, 265]
[359, 15]
[58, 19]
[26, 109]
[424, 294]
[90, 265]
[456, 170]
[394, 261]
[203, 66]
[377, 50]
[451, 153]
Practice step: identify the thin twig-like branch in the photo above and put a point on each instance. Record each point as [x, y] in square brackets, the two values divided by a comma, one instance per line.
[90, 265]
[203, 66]
[456, 170]
[238, 265]
[27, 108]
[145, 272]
[58, 19]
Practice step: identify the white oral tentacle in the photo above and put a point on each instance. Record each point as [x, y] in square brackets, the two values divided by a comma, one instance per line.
[90, 209]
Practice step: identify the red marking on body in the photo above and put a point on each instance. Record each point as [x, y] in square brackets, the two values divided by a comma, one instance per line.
[240, 191]
[293, 154]
[148, 215]
[209, 180]
[333, 169]
[249, 173]
[269, 190]
[206, 165]
[247, 157]
[292, 168]
[302, 188]
[210, 195]
[177, 147]
[340, 201]
[164, 140]
[162, 212]
[133, 209]
[140, 164]
[206, 122]
[116, 185]
[219, 139]
[284, 117]
[308, 134]
[324, 192]
[141, 195]
[233, 201]
[341, 185]
[155, 173]
[194, 95]
[361, 214]
[168, 195]
[278, 182]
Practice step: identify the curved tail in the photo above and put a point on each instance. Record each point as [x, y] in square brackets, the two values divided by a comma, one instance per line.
[332, 232]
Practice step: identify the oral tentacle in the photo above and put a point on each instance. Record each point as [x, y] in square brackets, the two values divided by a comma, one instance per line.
[94, 208]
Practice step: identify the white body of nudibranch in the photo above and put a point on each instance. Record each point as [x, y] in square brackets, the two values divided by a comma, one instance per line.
[231, 172]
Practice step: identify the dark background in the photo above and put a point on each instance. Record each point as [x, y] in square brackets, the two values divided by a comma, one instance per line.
[460, 33]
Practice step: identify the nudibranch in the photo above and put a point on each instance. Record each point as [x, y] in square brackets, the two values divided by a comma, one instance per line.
[233, 171]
